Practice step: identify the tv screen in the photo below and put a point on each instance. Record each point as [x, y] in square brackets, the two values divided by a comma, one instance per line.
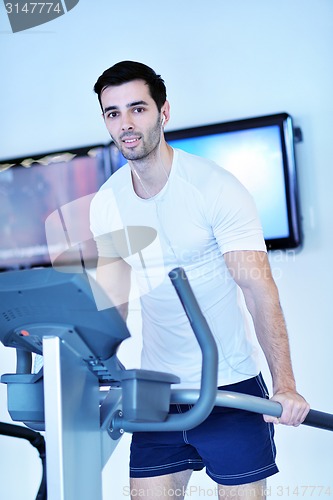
[34, 188]
[260, 153]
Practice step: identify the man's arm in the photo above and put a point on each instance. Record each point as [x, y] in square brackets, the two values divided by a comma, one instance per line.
[251, 271]
[114, 276]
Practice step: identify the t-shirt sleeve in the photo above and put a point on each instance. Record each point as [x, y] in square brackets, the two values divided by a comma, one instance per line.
[234, 216]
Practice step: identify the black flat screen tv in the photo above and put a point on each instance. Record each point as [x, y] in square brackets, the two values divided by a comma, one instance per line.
[33, 190]
[260, 152]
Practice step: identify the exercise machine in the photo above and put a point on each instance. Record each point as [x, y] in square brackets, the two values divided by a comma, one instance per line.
[68, 319]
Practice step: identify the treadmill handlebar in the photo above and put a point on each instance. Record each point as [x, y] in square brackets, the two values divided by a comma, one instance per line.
[228, 399]
[207, 397]
[319, 419]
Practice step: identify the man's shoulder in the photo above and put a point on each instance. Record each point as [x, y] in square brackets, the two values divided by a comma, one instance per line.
[202, 170]
[189, 159]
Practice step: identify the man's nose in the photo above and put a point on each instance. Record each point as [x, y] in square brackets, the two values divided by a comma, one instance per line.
[127, 123]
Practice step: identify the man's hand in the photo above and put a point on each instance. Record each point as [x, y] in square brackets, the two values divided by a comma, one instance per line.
[294, 409]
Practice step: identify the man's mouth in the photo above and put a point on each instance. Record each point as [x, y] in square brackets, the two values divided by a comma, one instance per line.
[131, 140]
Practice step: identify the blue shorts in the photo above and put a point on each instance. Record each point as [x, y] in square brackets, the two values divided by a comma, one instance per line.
[235, 446]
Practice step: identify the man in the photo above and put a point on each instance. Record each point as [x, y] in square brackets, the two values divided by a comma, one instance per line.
[164, 209]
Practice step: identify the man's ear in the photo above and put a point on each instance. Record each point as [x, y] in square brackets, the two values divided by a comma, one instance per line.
[165, 112]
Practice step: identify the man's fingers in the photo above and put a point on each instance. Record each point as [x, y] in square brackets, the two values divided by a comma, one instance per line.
[294, 409]
[271, 420]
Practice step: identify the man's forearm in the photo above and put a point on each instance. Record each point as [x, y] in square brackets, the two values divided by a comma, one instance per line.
[262, 300]
[272, 335]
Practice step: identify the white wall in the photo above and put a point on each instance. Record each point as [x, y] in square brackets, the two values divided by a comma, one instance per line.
[221, 60]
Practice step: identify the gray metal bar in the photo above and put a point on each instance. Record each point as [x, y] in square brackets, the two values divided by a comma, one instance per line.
[23, 361]
[315, 418]
[230, 399]
[72, 424]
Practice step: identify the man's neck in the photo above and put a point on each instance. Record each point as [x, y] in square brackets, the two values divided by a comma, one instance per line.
[150, 175]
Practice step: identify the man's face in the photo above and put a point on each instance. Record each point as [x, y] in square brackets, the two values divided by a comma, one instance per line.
[132, 118]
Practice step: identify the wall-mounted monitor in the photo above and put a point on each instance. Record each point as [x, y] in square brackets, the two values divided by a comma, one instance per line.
[34, 187]
[51, 193]
[260, 153]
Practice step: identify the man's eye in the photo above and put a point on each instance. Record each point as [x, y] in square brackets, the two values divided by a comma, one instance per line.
[138, 110]
[112, 114]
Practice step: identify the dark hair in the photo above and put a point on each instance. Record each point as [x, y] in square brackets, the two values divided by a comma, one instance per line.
[127, 71]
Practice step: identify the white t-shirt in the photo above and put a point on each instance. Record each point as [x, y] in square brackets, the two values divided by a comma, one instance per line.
[202, 212]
